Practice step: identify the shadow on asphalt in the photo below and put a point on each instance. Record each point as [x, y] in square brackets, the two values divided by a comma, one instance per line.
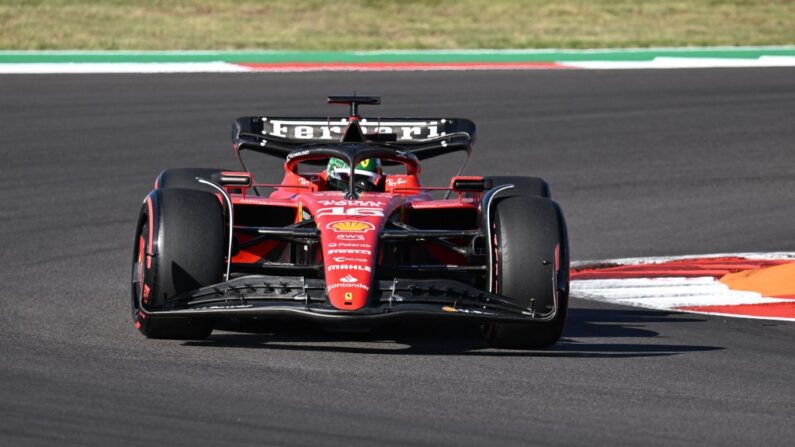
[433, 338]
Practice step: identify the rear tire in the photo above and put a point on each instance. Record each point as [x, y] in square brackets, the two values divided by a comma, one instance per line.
[179, 247]
[531, 264]
[526, 186]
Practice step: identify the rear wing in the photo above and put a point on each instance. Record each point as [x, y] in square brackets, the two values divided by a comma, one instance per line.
[426, 137]
[302, 131]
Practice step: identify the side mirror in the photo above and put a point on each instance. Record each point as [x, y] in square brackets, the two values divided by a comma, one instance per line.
[234, 179]
[475, 184]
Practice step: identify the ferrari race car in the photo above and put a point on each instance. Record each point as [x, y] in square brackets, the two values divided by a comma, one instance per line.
[347, 245]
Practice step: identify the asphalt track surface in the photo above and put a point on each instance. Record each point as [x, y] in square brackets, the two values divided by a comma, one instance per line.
[644, 163]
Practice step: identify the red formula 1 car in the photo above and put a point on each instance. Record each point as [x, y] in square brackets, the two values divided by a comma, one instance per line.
[350, 245]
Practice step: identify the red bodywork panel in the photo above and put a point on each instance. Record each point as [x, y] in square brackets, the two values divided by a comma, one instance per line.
[349, 238]
[349, 229]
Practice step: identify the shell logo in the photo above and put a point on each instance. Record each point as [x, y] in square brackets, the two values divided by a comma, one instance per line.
[350, 226]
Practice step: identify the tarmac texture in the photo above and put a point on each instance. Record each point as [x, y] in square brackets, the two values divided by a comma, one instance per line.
[644, 163]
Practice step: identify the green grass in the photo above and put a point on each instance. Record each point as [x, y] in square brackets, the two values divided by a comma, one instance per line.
[409, 24]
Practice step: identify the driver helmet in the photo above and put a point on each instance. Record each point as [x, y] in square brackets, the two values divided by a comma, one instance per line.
[367, 174]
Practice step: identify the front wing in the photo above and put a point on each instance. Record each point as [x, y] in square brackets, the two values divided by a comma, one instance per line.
[261, 296]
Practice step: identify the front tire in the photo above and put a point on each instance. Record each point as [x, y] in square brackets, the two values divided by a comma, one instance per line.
[186, 178]
[526, 186]
[179, 247]
[531, 267]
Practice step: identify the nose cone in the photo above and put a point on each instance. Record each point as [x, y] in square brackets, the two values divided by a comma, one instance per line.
[349, 254]
[348, 292]
[349, 232]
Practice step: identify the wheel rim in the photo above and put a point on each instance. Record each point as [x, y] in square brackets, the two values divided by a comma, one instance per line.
[139, 258]
[488, 329]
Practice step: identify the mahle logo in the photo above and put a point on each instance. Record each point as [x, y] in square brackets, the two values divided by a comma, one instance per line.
[350, 226]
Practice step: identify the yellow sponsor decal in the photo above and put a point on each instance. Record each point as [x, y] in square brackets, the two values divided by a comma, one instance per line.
[348, 296]
[350, 226]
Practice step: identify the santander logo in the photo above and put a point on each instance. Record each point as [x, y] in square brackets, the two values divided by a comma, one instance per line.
[349, 279]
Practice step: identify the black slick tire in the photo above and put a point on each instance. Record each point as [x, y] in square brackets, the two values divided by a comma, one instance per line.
[179, 247]
[526, 186]
[530, 266]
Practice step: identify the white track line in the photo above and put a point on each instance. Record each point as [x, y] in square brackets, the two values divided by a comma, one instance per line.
[685, 62]
[673, 293]
[225, 67]
[752, 317]
[666, 293]
[121, 67]
[781, 255]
